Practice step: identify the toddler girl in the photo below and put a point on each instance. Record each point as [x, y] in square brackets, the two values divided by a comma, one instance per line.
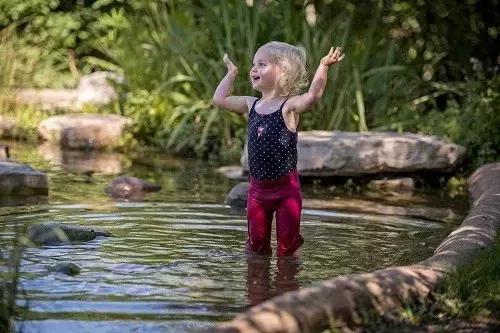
[278, 73]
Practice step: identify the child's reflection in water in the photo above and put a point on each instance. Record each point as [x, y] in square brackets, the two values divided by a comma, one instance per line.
[260, 285]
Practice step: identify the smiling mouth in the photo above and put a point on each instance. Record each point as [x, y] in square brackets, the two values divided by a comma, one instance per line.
[255, 78]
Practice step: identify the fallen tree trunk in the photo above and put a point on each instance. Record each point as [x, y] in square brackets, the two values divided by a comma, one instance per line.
[346, 300]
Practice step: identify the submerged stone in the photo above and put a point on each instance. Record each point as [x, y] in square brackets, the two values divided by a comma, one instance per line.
[69, 269]
[52, 234]
[126, 187]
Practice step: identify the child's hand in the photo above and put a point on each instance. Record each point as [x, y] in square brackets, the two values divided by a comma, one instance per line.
[333, 56]
[231, 68]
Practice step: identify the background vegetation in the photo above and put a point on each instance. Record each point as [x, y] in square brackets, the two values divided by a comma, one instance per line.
[421, 66]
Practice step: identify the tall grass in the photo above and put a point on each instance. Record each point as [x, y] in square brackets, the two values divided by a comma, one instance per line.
[12, 240]
[170, 54]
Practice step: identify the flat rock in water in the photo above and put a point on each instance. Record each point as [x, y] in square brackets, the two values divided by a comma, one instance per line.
[20, 179]
[83, 131]
[53, 234]
[325, 153]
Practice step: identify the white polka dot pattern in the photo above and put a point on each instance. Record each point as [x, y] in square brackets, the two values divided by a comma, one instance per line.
[272, 147]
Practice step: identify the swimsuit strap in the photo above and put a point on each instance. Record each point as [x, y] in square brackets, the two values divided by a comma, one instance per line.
[253, 105]
[282, 104]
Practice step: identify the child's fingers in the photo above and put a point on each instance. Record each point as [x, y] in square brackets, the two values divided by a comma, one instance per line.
[337, 52]
[341, 57]
[225, 58]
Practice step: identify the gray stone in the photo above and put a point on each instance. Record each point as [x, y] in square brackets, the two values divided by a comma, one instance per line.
[69, 269]
[53, 234]
[20, 179]
[83, 131]
[325, 153]
[126, 187]
[237, 197]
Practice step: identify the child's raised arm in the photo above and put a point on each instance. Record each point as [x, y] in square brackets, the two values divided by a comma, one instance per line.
[221, 95]
[304, 102]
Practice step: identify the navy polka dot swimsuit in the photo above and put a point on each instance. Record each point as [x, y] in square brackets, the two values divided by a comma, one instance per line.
[272, 147]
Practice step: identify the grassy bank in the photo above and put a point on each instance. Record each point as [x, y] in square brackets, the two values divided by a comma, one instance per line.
[467, 301]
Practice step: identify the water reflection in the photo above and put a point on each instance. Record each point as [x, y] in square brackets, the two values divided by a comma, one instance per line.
[260, 285]
[17, 200]
[83, 161]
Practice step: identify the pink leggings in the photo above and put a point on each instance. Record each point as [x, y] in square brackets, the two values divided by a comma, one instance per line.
[283, 197]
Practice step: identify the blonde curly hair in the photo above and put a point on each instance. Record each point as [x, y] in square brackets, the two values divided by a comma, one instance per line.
[292, 60]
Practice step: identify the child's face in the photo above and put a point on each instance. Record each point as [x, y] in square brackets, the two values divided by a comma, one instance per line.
[264, 72]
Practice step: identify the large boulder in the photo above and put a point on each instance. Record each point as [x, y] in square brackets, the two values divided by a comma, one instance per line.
[54, 234]
[19, 179]
[83, 131]
[325, 153]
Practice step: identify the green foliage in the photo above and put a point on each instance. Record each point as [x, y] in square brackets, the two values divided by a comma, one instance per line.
[400, 71]
[12, 240]
[471, 116]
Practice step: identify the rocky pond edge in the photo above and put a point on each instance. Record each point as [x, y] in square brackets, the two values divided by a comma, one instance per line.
[344, 300]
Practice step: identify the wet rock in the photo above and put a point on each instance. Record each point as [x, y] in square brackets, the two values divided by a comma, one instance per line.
[69, 269]
[237, 197]
[126, 187]
[325, 153]
[4, 152]
[53, 234]
[392, 185]
[19, 179]
[83, 131]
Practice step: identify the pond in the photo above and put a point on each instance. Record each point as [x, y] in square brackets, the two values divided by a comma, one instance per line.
[176, 262]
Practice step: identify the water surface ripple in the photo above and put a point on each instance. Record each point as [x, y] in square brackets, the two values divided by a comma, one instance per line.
[177, 267]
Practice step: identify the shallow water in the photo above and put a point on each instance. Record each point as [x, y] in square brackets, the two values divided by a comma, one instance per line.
[176, 261]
